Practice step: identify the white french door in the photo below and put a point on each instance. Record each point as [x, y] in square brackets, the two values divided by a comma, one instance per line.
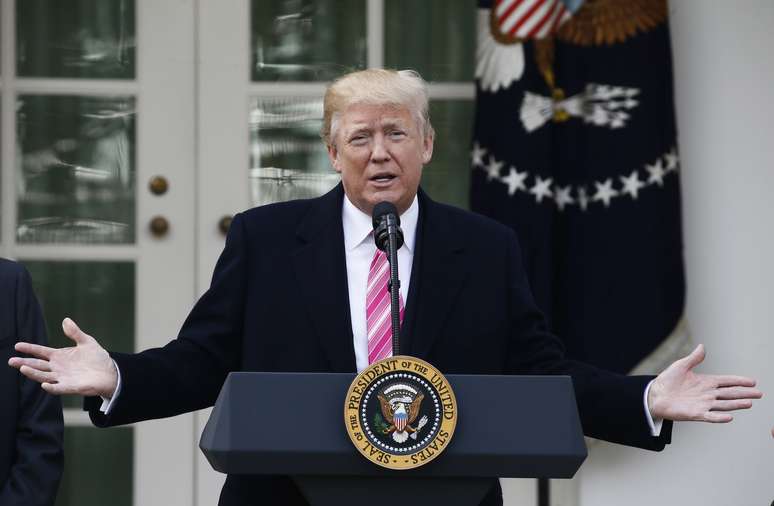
[97, 101]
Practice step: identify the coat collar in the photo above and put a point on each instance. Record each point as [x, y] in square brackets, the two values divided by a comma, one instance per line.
[437, 277]
[321, 275]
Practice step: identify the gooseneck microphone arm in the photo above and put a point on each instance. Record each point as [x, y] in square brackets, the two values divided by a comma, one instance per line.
[389, 238]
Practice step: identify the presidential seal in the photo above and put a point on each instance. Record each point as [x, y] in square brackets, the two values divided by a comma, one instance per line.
[400, 412]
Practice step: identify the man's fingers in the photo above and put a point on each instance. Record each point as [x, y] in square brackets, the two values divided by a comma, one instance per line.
[36, 375]
[40, 365]
[717, 417]
[35, 350]
[734, 381]
[731, 405]
[55, 388]
[729, 393]
[74, 332]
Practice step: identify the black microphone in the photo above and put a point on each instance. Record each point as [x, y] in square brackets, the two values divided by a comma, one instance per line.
[386, 221]
[389, 238]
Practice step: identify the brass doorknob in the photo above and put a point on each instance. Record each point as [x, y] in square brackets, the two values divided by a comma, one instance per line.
[159, 226]
[225, 223]
[158, 185]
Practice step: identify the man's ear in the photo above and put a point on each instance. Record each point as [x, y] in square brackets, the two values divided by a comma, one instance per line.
[333, 156]
[427, 149]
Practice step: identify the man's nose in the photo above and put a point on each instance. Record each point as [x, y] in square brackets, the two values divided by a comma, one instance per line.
[379, 153]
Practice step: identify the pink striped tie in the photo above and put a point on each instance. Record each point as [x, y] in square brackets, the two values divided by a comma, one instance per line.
[378, 320]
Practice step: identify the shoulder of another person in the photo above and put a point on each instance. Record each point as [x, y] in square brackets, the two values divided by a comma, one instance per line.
[10, 269]
[10, 272]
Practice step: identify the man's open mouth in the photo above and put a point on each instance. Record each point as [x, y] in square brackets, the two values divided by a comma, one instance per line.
[383, 178]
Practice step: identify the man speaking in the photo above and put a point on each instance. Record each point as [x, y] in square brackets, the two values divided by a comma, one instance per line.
[289, 293]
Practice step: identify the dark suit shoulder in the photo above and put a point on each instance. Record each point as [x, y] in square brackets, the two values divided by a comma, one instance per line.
[275, 226]
[304, 218]
[279, 212]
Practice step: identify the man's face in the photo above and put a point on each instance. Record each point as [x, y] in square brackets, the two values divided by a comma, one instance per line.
[379, 151]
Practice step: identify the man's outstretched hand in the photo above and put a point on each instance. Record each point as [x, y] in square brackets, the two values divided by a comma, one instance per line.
[679, 394]
[84, 369]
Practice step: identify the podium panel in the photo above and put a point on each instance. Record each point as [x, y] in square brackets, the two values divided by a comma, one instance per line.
[293, 424]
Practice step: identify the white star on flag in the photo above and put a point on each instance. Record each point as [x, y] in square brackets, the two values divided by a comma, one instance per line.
[604, 91]
[656, 172]
[541, 189]
[583, 198]
[671, 160]
[563, 197]
[493, 169]
[478, 155]
[515, 180]
[605, 192]
[632, 184]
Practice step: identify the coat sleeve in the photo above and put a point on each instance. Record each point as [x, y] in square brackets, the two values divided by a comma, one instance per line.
[38, 457]
[187, 374]
[610, 405]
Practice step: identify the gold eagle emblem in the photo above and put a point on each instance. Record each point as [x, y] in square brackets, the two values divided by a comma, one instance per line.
[400, 415]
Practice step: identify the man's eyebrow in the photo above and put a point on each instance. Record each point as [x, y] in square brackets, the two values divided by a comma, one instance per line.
[391, 123]
[357, 129]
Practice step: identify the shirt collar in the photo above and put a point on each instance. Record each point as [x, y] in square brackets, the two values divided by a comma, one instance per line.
[358, 225]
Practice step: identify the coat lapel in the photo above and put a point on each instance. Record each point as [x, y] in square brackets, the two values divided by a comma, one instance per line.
[321, 274]
[437, 276]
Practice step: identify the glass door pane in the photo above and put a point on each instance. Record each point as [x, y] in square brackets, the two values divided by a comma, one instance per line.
[434, 37]
[287, 159]
[75, 38]
[307, 40]
[76, 181]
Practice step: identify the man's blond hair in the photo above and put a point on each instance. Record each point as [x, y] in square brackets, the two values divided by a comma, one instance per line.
[404, 88]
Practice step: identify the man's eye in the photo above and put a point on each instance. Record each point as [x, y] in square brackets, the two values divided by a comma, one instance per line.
[358, 139]
[397, 134]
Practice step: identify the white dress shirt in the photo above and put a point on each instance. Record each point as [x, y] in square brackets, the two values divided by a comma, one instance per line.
[359, 248]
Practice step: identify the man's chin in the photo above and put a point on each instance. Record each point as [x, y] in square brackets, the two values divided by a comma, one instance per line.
[401, 201]
[399, 197]
[390, 196]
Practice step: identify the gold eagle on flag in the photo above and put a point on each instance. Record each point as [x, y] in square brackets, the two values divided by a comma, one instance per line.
[608, 22]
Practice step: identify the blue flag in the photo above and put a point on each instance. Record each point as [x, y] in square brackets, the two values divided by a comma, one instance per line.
[575, 148]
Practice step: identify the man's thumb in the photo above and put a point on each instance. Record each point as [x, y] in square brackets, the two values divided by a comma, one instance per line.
[72, 331]
[696, 357]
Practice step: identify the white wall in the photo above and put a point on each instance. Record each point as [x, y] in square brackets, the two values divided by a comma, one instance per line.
[724, 78]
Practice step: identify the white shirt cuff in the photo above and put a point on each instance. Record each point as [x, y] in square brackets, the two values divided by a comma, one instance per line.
[107, 402]
[655, 425]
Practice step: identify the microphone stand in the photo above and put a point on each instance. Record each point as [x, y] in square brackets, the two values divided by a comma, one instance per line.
[392, 257]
